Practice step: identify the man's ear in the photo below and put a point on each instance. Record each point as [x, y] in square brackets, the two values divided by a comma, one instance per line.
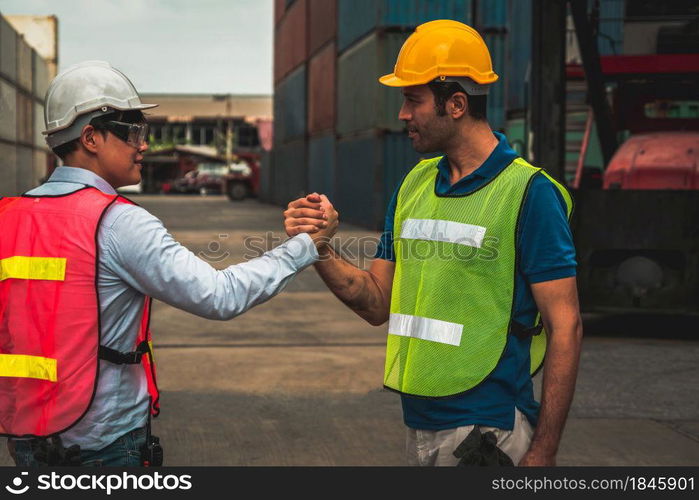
[457, 105]
[89, 138]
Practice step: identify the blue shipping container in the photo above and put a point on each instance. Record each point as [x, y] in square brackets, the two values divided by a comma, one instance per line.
[492, 13]
[289, 172]
[321, 165]
[370, 167]
[356, 18]
[610, 40]
[290, 106]
[518, 53]
[496, 43]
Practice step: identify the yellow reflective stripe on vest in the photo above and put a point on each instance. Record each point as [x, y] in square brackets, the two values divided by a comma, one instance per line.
[25, 366]
[33, 268]
[434, 330]
[443, 230]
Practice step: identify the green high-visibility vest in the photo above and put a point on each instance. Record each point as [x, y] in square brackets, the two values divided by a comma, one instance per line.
[453, 289]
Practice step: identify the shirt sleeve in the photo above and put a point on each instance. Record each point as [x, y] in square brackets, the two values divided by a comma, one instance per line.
[384, 249]
[546, 244]
[141, 252]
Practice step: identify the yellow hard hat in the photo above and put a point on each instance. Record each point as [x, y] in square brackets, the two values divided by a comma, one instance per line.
[441, 49]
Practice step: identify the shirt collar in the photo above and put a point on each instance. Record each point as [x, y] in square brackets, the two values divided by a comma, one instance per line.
[78, 175]
[500, 157]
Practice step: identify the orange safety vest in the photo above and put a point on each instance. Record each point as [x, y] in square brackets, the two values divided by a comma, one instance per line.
[50, 312]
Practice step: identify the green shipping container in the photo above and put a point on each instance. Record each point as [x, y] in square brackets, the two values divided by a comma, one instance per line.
[362, 102]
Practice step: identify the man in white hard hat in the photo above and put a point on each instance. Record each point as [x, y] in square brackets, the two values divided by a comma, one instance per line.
[78, 267]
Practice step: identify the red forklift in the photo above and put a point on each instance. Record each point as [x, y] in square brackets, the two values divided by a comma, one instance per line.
[635, 223]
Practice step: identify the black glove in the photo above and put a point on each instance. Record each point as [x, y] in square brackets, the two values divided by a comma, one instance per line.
[481, 450]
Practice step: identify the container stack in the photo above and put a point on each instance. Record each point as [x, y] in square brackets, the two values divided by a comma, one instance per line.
[322, 80]
[337, 129]
[492, 24]
[287, 177]
[373, 150]
[24, 79]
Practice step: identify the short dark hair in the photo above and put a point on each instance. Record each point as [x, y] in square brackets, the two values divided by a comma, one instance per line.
[131, 116]
[477, 104]
[64, 150]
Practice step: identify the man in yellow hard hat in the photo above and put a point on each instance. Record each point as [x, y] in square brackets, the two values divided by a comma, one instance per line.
[474, 273]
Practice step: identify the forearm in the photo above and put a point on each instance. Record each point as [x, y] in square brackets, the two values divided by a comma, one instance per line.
[139, 250]
[356, 288]
[560, 372]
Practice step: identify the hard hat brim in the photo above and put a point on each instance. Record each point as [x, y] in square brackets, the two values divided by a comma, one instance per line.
[391, 80]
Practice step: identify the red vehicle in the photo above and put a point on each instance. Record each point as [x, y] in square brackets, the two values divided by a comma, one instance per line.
[243, 177]
[661, 160]
[637, 237]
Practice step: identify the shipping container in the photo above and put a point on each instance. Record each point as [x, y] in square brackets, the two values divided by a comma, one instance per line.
[41, 77]
[362, 102]
[266, 179]
[279, 9]
[25, 118]
[24, 64]
[359, 17]
[40, 165]
[370, 167]
[291, 40]
[289, 172]
[495, 41]
[8, 112]
[39, 138]
[492, 24]
[492, 14]
[519, 44]
[321, 90]
[290, 107]
[8, 50]
[25, 169]
[321, 165]
[610, 40]
[322, 23]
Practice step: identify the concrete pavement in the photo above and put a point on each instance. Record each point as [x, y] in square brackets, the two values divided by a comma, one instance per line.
[297, 381]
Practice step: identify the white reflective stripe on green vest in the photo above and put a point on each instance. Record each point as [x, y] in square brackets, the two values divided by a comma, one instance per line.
[425, 329]
[453, 287]
[443, 230]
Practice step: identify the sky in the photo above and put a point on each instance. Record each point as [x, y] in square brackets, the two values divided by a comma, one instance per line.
[168, 46]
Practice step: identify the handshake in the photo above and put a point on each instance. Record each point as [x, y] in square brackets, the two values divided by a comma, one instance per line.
[314, 215]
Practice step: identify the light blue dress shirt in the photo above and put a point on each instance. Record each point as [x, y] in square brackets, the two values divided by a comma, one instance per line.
[137, 257]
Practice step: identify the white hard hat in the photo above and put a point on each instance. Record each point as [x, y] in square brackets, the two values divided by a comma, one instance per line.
[80, 93]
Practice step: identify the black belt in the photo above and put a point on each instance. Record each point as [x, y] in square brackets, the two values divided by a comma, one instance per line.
[124, 358]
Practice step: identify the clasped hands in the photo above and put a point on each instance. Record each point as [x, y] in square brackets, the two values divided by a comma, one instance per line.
[313, 214]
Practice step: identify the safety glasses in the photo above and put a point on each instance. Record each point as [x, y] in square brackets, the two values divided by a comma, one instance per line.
[133, 134]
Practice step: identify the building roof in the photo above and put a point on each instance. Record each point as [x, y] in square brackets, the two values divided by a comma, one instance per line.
[202, 151]
[185, 107]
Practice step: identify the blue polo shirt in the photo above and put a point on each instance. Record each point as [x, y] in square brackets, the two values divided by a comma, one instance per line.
[545, 252]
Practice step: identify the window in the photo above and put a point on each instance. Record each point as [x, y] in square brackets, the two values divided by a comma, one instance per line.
[671, 109]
